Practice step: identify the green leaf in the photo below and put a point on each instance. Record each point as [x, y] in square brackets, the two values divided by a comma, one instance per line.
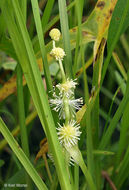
[66, 38]
[47, 13]
[113, 40]
[106, 137]
[123, 171]
[21, 156]
[35, 8]
[123, 134]
[116, 21]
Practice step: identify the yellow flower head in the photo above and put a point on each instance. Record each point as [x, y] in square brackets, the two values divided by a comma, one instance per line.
[58, 53]
[55, 34]
[69, 134]
[67, 87]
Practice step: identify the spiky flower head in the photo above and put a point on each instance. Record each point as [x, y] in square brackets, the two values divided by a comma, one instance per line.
[69, 134]
[58, 53]
[58, 102]
[55, 34]
[67, 87]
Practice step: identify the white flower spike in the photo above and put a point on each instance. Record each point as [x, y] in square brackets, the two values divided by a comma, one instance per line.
[69, 134]
[58, 53]
[55, 34]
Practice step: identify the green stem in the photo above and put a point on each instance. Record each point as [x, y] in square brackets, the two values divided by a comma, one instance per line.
[87, 174]
[21, 156]
[65, 99]
[23, 4]
[66, 37]
[125, 44]
[21, 115]
[38, 24]
[76, 177]
[21, 111]
[62, 71]
[66, 109]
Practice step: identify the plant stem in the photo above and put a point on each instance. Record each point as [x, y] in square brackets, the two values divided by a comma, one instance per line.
[21, 115]
[87, 174]
[21, 111]
[62, 71]
[76, 177]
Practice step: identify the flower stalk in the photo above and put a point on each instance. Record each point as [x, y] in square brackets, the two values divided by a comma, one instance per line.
[65, 103]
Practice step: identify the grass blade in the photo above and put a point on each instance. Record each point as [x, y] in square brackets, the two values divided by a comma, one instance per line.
[35, 8]
[47, 13]
[106, 137]
[66, 38]
[112, 42]
[21, 156]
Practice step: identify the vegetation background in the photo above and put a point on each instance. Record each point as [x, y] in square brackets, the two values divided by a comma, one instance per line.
[95, 37]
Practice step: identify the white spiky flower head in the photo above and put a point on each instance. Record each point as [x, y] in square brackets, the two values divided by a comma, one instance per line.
[69, 134]
[58, 53]
[67, 87]
[55, 34]
[58, 102]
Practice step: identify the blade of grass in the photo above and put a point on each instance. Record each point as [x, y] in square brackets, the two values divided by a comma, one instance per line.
[66, 38]
[123, 134]
[23, 4]
[21, 111]
[115, 39]
[110, 109]
[120, 81]
[89, 141]
[35, 8]
[106, 137]
[97, 68]
[79, 12]
[47, 13]
[119, 65]
[125, 44]
[123, 170]
[21, 156]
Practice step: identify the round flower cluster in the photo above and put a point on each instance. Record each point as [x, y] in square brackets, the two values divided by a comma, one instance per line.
[55, 34]
[58, 53]
[69, 134]
[67, 87]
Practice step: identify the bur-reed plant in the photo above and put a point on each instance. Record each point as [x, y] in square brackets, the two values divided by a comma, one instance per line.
[81, 94]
